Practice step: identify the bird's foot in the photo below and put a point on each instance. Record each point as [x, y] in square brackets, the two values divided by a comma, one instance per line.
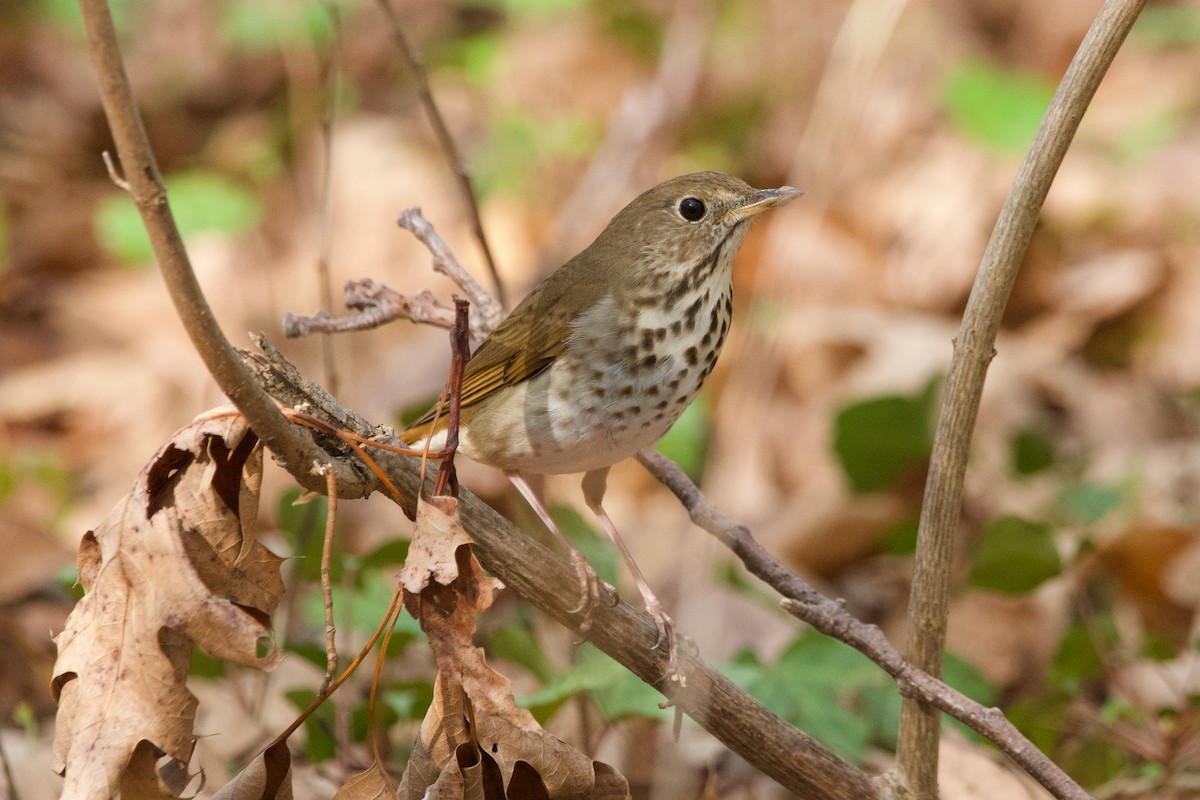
[589, 589]
[666, 635]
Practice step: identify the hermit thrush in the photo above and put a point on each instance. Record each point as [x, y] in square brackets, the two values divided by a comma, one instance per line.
[606, 353]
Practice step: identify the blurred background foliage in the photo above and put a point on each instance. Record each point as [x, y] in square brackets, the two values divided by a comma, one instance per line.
[1075, 608]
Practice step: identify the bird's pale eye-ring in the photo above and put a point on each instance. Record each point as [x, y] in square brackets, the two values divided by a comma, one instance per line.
[691, 209]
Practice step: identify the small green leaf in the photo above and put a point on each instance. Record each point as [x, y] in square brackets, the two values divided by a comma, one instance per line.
[998, 107]
[391, 553]
[1168, 26]
[409, 700]
[1014, 556]
[318, 728]
[200, 201]
[205, 666]
[901, 538]
[1031, 452]
[517, 644]
[254, 27]
[617, 692]
[1077, 659]
[686, 443]
[877, 440]
[304, 527]
[1090, 502]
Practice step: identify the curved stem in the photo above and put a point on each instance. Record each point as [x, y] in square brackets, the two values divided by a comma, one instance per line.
[145, 185]
[973, 350]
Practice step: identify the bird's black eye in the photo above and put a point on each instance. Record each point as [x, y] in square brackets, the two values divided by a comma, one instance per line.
[691, 209]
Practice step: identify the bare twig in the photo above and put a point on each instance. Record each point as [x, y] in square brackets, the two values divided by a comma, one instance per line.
[327, 580]
[832, 619]
[973, 350]
[461, 349]
[325, 219]
[486, 307]
[378, 305]
[447, 144]
[113, 175]
[292, 447]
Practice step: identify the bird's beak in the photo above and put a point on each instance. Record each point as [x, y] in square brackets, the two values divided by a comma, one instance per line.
[760, 201]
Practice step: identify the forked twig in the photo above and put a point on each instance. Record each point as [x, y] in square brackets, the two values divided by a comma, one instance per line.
[446, 141]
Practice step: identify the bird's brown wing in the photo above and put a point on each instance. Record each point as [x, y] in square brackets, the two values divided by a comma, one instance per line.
[525, 344]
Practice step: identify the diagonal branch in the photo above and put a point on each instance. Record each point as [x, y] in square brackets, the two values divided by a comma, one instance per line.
[831, 618]
[743, 724]
[917, 747]
[292, 447]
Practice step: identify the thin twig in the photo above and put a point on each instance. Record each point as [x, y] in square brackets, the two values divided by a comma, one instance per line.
[378, 305]
[832, 619]
[447, 476]
[917, 746]
[486, 307]
[327, 580]
[113, 175]
[446, 141]
[325, 217]
[292, 447]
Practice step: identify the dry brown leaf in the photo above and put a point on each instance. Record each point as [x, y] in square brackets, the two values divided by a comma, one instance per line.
[373, 784]
[267, 777]
[436, 538]
[475, 740]
[169, 568]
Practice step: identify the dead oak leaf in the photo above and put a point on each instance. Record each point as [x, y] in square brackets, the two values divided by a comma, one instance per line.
[171, 567]
[372, 784]
[436, 538]
[475, 741]
[463, 753]
[267, 777]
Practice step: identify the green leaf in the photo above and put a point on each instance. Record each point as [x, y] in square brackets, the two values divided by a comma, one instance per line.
[318, 729]
[817, 684]
[997, 107]
[254, 27]
[205, 666]
[1015, 556]
[617, 692]
[304, 527]
[879, 439]
[686, 443]
[409, 700]
[1031, 452]
[901, 538]
[200, 201]
[517, 644]
[1168, 26]
[1090, 502]
[529, 8]
[1041, 719]
[391, 553]
[1077, 659]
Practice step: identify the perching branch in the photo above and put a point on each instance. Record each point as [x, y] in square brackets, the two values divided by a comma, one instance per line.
[917, 748]
[292, 447]
[744, 725]
[831, 618]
